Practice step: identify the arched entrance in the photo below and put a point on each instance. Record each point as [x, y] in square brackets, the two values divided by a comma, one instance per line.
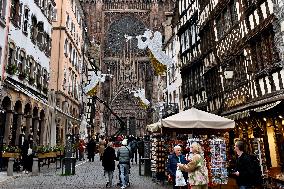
[17, 124]
[35, 126]
[6, 114]
[27, 129]
[42, 128]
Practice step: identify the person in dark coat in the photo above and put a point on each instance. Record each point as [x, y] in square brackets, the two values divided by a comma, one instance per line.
[108, 161]
[172, 162]
[91, 147]
[243, 167]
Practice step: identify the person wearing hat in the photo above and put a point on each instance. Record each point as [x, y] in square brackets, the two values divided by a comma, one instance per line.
[124, 155]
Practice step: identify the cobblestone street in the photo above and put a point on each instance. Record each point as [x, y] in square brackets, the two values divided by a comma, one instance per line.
[88, 175]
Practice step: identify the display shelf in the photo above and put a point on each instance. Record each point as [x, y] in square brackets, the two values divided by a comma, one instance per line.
[219, 170]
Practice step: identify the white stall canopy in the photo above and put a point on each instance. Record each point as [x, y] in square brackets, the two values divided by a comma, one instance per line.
[197, 119]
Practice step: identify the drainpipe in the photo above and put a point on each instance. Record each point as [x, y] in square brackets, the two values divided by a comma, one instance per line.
[59, 45]
[5, 53]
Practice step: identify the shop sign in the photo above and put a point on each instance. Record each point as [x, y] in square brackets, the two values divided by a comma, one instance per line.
[236, 101]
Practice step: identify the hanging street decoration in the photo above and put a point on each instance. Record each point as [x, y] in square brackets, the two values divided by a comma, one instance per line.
[153, 42]
[91, 88]
[159, 68]
[143, 102]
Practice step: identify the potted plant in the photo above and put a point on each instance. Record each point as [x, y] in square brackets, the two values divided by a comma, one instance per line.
[11, 69]
[11, 152]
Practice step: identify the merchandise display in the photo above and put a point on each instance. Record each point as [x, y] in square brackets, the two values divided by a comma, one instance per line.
[215, 154]
[219, 171]
[158, 158]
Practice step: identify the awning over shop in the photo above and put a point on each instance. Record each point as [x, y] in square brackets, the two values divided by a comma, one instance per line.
[154, 127]
[267, 106]
[197, 119]
[239, 115]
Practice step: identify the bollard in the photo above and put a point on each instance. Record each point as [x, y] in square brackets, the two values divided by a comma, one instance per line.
[10, 167]
[35, 171]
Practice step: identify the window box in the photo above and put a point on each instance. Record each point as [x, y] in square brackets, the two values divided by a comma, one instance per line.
[15, 155]
[11, 69]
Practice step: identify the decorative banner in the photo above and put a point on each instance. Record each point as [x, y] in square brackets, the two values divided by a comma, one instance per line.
[159, 68]
[154, 44]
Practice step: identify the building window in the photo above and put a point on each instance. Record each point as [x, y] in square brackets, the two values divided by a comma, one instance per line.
[70, 52]
[40, 34]
[15, 11]
[227, 19]
[47, 45]
[26, 20]
[34, 29]
[263, 53]
[68, 21]
[11, 55]
[66, 48]
[22, 62]
[3, 4]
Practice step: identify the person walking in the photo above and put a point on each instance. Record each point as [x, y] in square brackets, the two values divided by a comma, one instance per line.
[243, 171]
[102, 145]
[81, 149]
[91, 147]
[123, 155]
[172, 162]
[140, 146]
[196, 168]
[108, 162]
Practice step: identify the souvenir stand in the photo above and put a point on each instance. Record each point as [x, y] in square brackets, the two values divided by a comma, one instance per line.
[210, 131]
[158, 152]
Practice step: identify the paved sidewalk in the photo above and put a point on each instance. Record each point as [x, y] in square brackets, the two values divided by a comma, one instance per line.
[88, 175]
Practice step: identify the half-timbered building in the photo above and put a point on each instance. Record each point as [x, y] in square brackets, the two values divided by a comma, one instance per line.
[232, 65]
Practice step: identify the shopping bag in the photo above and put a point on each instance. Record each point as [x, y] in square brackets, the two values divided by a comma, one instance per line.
[180, 181]
[30, 151]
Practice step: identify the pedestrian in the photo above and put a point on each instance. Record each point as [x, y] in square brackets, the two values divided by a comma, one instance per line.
[243, 171]
[123, 155]
[27, 157]
[133, 147]
[140, 146]
[172, 162]
[196, 168]
[102, 146]
[91, 147]
[108, 162]
[81, 149]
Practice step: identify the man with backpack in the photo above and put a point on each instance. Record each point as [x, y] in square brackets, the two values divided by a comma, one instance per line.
[123, 154]
[247, 168]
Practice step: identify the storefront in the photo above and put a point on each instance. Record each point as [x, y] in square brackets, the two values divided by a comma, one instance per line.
[262, 128]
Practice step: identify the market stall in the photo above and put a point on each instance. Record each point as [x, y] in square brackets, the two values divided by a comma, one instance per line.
[209, 130]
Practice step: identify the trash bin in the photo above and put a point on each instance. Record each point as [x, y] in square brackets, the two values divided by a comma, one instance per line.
[68, 166]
